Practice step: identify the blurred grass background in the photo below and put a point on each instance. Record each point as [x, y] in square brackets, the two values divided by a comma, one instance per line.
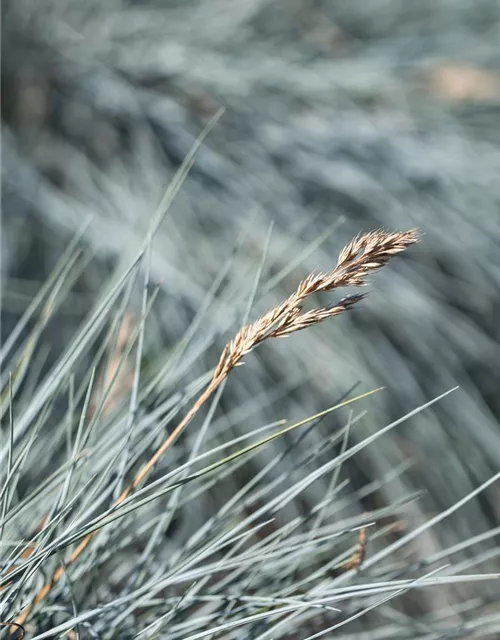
[341, 116]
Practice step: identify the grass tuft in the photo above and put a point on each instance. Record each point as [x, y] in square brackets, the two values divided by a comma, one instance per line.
[104, 536]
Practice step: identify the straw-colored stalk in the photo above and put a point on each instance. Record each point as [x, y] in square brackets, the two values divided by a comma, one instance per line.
[362, 256]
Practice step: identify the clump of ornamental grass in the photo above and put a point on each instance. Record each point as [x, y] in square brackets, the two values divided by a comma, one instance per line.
[108, 530]
[363, 255]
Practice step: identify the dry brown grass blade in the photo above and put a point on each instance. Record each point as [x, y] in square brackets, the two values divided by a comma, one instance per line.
[357, 558]
[363, 255]
[117, 378]
[14, 628]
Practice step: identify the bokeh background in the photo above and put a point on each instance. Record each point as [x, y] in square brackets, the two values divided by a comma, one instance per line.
[341, 116]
